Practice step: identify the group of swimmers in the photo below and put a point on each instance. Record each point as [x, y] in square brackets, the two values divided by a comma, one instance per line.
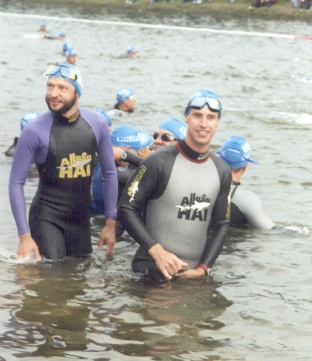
[131, 146]
[174, 195]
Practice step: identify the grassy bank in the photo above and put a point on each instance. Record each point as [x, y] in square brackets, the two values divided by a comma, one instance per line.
[218, 9]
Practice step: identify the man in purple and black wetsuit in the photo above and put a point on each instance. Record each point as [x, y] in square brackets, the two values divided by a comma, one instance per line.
[185, 192]
[63, 143]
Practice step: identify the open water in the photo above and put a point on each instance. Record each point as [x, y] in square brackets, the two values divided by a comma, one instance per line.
[257, 303]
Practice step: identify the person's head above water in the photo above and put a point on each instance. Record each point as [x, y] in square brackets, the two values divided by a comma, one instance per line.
[68, 72]
[61, 34]
[43, 26]
[71, 56]
[131, 50]
[125, 100]
[169, 132]
[236, 152]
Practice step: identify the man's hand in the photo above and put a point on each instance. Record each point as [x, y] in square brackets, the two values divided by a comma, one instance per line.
[168, 263]
[27, 246]
[108, 236]
[192, 273]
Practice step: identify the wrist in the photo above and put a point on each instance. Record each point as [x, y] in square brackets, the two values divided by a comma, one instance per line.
[124, 156]
[205, 268]
[110, 223]
[155, 250]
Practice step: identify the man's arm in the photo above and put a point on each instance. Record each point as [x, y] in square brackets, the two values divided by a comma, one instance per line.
[220, 219]
[110, 189]
[22, 160]
[143, 185]
[254, 212]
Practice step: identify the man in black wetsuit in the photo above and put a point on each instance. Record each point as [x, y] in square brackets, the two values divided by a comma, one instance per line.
[64, 144]
[246, 206]
[184, 190]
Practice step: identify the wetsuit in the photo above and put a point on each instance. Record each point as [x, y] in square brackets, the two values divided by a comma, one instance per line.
[123, 174]
[64, 152]
[246, 208]
[186, 200]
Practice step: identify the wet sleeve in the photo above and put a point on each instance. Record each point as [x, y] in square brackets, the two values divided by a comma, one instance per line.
[23, 157]
[134, 159]
[251, 207]
[141, 186]
[109, 173]
[220, 221]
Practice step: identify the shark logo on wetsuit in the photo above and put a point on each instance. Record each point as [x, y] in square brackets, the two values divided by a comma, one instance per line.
[193, 206]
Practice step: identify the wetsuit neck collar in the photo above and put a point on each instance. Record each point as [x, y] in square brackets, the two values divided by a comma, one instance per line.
[236, 183]
[64, 120]
[192, 154]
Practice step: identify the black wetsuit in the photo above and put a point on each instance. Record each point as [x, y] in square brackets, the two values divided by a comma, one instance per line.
[64, 151]
[186, 202]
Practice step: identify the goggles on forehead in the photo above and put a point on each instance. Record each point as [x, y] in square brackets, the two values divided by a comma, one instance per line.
[65, 72]
[165, 137]
[199, 101]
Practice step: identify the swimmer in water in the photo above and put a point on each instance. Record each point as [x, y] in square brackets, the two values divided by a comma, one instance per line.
[246, 206]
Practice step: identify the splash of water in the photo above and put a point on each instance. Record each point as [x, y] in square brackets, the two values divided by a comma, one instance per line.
[11, 257]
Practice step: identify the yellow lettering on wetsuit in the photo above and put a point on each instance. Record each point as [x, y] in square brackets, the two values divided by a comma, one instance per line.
[75, 166]
[134, 187]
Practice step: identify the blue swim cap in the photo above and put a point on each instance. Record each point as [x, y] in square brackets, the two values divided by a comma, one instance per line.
[59, 71]
[43, 23]
[70, 52]
[27, 117]
[174, 126]
[145, 139]
[202, 93]
[124, 136]
[130, 49]
[62, 33]
[67, 46]
[236, 152]
[108, 119]
[124, 94]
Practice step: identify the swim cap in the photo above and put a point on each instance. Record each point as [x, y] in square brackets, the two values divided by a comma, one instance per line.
[204, 93]
[70, 52]
[145, 139]
[124, 136]
[62, 33]
[67, 46]
[59, 71]
[124, 94]
[130, 49]
[27, 117]
[174, 126]
[236, 152]
[109, 122]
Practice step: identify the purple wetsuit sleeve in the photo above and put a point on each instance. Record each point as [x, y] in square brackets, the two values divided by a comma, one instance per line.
[32, 145]
[106, 157]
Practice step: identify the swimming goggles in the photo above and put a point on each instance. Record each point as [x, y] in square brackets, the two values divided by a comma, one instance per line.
[67, 73]
[164, 137]
[199, 101]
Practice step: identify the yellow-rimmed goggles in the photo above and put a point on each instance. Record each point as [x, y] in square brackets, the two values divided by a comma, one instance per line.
[65, 72]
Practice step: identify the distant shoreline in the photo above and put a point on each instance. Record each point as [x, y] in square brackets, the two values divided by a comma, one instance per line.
[220, 10]
[217, 9]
